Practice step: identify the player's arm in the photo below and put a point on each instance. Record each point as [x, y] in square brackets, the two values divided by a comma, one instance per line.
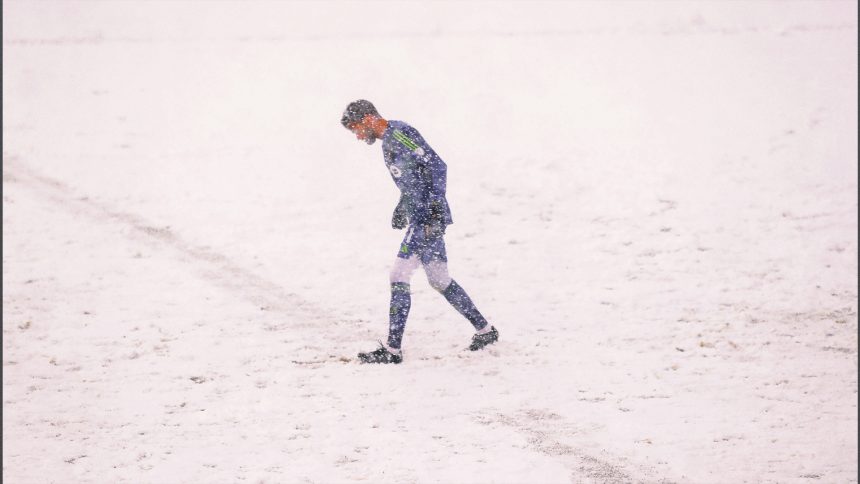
[436, 193]
[427, 208]
[435, 212]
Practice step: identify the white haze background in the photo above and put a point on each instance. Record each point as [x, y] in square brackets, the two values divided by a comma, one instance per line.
[654, 202]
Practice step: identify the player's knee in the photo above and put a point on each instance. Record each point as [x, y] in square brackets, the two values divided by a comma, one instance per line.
[400, 274]
[398, 277]
[439, 283]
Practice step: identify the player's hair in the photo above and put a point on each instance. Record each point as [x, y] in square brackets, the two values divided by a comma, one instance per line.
[356, 111]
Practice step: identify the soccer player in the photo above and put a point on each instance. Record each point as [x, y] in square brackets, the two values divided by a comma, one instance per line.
[420, 174]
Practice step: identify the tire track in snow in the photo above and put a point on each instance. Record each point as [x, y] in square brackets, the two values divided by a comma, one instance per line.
[545, 432]
[214, 267]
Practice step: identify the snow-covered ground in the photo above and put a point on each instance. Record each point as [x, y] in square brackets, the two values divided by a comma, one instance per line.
[655, 203]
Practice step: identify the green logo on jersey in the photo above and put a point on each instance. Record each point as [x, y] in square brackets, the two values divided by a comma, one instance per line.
[404, 140]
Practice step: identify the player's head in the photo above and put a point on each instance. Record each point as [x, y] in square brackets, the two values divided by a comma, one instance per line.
[359, 117]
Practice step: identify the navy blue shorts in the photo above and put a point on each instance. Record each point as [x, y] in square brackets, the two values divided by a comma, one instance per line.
[415, 242]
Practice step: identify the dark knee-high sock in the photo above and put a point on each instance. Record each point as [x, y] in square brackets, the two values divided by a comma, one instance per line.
[464, 305]
[400, 303]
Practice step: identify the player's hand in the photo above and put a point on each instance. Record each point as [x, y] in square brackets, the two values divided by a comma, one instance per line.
[434, 230]
[436, 227]
[400, 219]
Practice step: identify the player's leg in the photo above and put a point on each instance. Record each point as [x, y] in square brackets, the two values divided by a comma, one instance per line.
[401, 299]
[437, 275]
[401, 273]
[435, 261]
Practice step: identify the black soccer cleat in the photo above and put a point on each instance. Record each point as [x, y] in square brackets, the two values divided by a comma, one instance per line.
[481, 340]
[380, 355]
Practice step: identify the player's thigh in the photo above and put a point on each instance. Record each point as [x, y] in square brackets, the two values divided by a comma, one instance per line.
[403, 268]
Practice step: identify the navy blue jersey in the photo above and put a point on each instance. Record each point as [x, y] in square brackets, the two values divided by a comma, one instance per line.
[418, 172]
